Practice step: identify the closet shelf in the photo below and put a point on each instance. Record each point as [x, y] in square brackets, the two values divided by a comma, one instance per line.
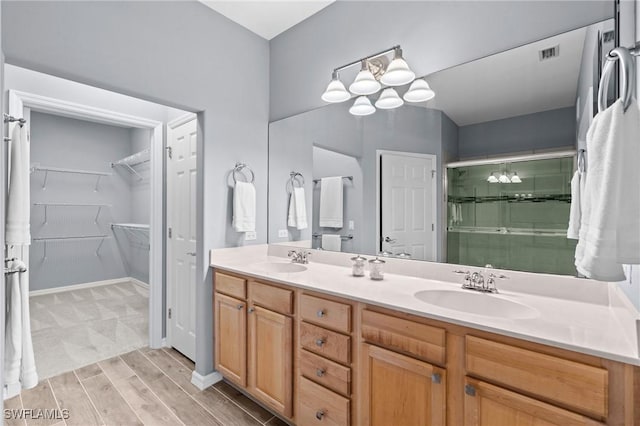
[509, 231]
[47, 170]
[46, 240]
[138, 233]
[142, 226]
[47, 205]
[133, 160]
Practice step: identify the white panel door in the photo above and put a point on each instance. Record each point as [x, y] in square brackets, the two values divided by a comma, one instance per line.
[181, 241]
[407, 205]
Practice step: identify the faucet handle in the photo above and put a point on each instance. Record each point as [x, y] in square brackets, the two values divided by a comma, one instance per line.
[292, 253]
[491, 284]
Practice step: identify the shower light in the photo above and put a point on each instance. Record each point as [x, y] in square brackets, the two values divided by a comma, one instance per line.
[362, 106]
[365, 83]
[515, 178]
[389, 99]
[335, 91]
[398, 72]
[419, 91]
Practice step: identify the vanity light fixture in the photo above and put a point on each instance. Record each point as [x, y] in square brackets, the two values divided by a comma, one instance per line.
[374, 71]
[362, 106]
[492, 178]
[515, 178]
[335, 91]
[365, 83]
[419, 91]
[398, 72]
[389, 99]
[504, 178]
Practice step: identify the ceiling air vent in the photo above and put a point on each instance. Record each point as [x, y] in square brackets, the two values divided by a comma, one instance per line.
[549, 53]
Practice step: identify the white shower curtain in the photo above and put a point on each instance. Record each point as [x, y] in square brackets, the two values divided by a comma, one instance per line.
[20, 369]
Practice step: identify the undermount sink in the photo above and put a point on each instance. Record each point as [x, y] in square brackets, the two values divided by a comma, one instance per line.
[477, 303]
[279, 267]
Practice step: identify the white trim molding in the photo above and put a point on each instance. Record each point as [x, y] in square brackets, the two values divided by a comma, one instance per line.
[81, 286]
[203, 382]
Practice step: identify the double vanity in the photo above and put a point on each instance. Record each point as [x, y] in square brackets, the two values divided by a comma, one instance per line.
[318, 346]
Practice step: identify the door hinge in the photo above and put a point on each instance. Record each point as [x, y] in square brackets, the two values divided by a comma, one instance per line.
[433, 174]
[170, 152]
[170, 232]
[169, 313]
[433, 227]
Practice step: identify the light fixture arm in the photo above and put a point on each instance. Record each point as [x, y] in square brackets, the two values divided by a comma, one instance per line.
[366, 58]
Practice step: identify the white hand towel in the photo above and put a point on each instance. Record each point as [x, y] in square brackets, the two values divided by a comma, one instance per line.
[20, 366]
[459, 213]
[331, 242]
[297, 209]
[331, 202]
[244, 207]
[610, 225]
[17, 228]
[575, 212]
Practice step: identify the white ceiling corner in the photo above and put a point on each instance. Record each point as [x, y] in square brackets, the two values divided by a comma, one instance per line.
[267, 18]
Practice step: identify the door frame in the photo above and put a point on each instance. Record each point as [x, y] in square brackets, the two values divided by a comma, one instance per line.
[171, 126]
[434, 189]
[19, 102]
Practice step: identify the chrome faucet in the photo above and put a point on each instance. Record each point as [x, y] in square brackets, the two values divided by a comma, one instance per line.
[476, 281]
[299, 256]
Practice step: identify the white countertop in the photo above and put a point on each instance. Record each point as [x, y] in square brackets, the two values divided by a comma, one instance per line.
[576, 314]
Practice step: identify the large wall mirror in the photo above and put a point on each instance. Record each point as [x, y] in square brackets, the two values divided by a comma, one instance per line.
[478, 175]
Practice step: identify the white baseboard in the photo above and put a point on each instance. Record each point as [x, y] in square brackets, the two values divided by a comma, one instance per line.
[87, 285]
[164, 342]
[203, 382]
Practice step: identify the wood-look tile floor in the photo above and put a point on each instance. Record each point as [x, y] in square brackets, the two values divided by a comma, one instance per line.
[142, 387]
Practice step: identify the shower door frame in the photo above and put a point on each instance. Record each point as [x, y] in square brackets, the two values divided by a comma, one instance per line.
[22, 103]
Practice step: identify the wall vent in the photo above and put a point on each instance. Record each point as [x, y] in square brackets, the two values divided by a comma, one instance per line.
[549, 53]
[608, 36]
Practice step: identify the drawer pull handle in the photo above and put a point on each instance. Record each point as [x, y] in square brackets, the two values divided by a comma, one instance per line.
[436, 378]
[319, 414]
[320, 313]
[320, 372]
[320, 342]
[240, 307]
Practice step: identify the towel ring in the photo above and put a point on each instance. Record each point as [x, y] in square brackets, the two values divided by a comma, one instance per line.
[626, 81]
[238, 168]
[294, 178]
[582, 162]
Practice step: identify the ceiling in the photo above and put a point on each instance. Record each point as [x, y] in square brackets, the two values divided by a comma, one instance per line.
[511, 83]
[267, 18]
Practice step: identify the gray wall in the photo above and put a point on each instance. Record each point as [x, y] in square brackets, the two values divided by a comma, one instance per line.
[526, 133]
[75, 144]
[329, 163]
[177, 53]
[434, 35]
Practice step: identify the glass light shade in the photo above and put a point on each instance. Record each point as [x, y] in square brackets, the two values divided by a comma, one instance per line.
[389, 99]
[492, 179]
[419, 91]
[364, 84]
[398, 72]
[515, 178]
[362, 106]
[504, 178]
[335, 92]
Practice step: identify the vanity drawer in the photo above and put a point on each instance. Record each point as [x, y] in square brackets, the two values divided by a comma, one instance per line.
[230, 285]
[328, 373]
[326, 313]
[575, 385]
[271, 297]
[327, 343]
[420, 340]
[320, 406]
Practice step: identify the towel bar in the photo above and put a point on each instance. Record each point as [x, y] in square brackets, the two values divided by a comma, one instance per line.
[342, 237]
[343, 177]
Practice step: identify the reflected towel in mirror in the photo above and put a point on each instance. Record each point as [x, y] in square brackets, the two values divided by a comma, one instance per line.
[297, 217]
[331, 202]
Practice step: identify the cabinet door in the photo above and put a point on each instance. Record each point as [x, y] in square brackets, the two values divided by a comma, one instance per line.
[489, 405]
[399, 390]
[230, 339]
[271, 358]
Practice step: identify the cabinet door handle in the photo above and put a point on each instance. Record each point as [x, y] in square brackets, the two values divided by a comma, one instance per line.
[250, 310]
[319, 414]
[320, 342]
[470, 390]
[436, 378]
[320, 313]
[320, 372]
[240, 307]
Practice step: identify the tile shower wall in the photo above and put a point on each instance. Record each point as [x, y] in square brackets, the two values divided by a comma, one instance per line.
[75, 144]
